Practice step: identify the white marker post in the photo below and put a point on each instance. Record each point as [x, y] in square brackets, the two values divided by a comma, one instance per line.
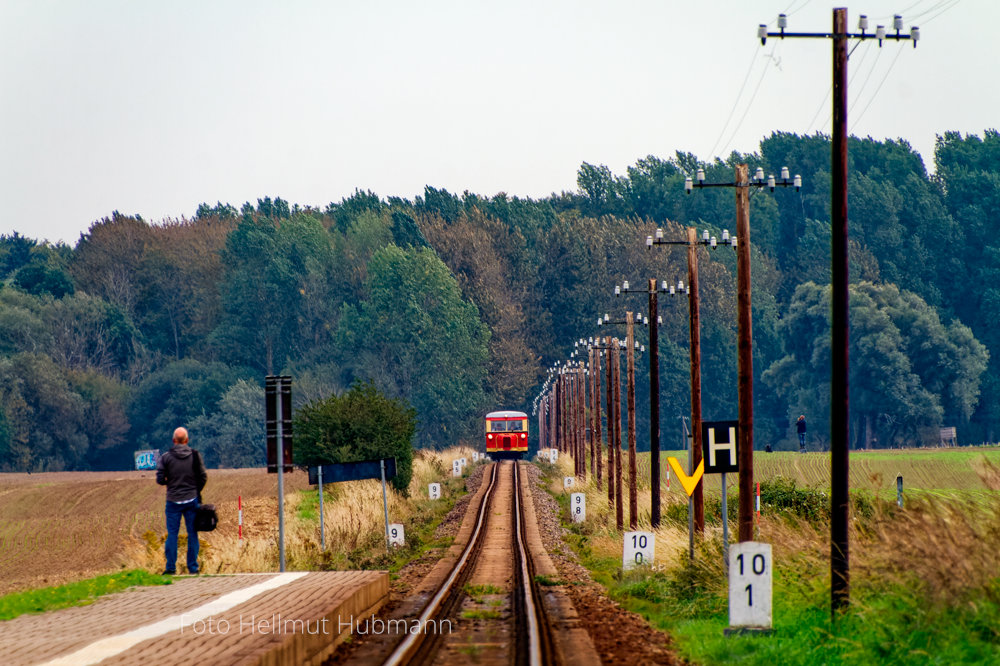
[463, 461]
[553, 455]
[750, 568]
[568, 481]
[434, 491]
[475, 456]
[456, 468]
[578, 507]
[639, 548]
[396, 536]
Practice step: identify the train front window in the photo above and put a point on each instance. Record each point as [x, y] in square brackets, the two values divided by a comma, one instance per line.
[498, 426]
[515, 426]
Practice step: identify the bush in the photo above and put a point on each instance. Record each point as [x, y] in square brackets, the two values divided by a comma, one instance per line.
[360, 424]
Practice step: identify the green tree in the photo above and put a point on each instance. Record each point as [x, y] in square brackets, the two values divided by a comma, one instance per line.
[233, 434]
[359, 424]
[45, 417]
[416, 338]
[176, 395]
[909, 372]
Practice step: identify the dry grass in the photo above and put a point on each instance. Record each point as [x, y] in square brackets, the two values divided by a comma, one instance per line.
[354, 525]
[944, 545]
[62, 526]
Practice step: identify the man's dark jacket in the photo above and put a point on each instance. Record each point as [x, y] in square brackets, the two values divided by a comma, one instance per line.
[182, 472]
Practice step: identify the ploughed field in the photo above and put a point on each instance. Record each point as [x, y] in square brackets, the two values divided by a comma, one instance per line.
[61, 526]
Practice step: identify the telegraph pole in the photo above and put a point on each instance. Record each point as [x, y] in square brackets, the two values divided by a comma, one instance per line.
[633, 491]
[839, 415]
[695, 331]
[616, 370]
[744, 334]
[654, 407]
[611, 428]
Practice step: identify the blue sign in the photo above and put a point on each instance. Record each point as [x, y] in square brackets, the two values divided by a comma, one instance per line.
[146, 459]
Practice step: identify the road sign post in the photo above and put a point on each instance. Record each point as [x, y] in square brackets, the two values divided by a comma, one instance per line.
[721, 442]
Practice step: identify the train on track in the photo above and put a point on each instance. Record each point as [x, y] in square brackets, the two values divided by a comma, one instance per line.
[506, 435]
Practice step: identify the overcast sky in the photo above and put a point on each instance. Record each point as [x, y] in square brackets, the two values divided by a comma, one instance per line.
[151, 108]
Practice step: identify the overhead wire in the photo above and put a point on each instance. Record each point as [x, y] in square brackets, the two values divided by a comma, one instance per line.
[946, 9]
[756, 90]
[875, 95]
[732, 111]
[864, 85]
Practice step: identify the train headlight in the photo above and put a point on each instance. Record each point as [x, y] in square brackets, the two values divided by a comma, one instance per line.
[489, 436]
[524, 436]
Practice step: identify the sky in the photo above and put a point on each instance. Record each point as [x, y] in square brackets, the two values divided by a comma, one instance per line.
[151, 108]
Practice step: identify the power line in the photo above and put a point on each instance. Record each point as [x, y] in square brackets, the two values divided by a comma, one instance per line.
[868, 78]
[752, 98]
[732, 111]
[875, 95]
[946, 9]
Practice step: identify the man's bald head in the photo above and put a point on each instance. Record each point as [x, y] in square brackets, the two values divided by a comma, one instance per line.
[181, 436]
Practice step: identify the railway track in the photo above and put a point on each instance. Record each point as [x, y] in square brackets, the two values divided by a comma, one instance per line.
[501, 559]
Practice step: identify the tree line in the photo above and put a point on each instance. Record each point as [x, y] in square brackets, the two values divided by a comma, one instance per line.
[457, 304]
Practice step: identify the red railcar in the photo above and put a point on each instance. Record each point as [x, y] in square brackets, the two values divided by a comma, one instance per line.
[506, 434]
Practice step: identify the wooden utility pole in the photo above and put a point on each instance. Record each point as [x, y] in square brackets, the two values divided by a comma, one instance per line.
[609, 377]
[582, 402]
[633, 492]
[541, 425]
[619, 509]
[839, 448]
[571, 383]
[597, 412]
[695, 331]
[593, 392]
[553, 414]
[745, 352]
[654, 407]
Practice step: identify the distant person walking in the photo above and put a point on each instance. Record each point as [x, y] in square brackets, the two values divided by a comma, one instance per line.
[182, 471]
[800, 426]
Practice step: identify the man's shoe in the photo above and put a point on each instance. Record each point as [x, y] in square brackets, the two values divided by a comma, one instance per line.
[169, 572]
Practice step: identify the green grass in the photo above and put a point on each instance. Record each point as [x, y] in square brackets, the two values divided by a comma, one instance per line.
[886, 624]
[894, 617]
[80, 593]
[481, 615]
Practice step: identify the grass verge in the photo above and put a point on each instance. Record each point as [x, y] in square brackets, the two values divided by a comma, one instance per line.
[924, 587]
[79, 593]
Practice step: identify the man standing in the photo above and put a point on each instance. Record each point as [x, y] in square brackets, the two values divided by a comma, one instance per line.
[182, 471]
[800, 426]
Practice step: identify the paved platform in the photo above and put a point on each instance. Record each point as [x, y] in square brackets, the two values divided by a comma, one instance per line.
[275, 619]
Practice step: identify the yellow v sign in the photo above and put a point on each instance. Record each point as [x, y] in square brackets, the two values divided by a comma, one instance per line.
[689, 482]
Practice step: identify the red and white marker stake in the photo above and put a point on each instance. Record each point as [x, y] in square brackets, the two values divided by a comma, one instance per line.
[239, 504]
[757, 501]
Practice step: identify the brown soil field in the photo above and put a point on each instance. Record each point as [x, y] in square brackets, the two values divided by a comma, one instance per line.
[61, 526]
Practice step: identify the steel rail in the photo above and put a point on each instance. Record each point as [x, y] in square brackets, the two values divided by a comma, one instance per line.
[531, 611]
[403, 651]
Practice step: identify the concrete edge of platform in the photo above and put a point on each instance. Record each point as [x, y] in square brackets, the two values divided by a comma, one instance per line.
[303, 649]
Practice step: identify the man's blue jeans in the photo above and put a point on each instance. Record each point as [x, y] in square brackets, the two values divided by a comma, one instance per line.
[174, 513]
[802, 441]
